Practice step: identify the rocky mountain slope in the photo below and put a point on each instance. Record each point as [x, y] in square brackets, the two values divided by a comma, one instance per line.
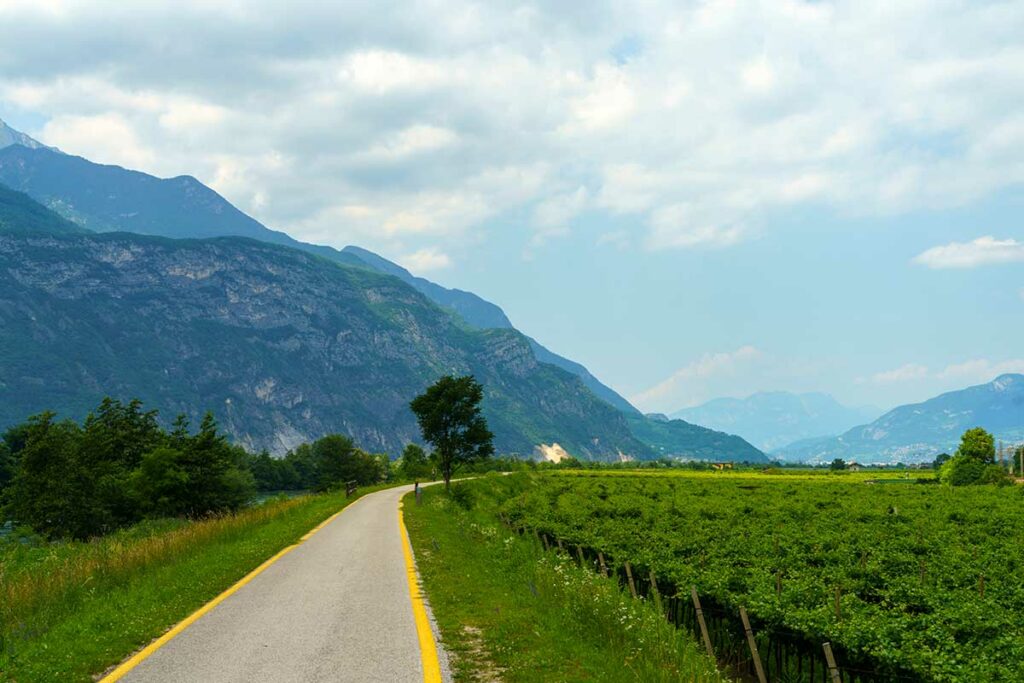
[110, 198]
[9, 136]
[773, 419]
[283, 346]
[483, 314]
[920, 431]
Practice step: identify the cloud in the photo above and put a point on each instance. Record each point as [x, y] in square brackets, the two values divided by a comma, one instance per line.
[689, 385]
[911, 372]
[347, 121]
[953, 376]
[980, 370]
[980, 252]
[425, 260]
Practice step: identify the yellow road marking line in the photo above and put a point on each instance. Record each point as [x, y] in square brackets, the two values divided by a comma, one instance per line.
[143, 654]
[428, 648]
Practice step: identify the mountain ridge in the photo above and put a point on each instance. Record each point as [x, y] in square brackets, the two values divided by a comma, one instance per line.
[917, 432]
[771, 419]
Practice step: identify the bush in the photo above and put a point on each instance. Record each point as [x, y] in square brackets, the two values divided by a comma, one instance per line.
[964, 471]
[994, 474]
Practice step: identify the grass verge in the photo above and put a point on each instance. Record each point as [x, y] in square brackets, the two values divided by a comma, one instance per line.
[509, 611]
[71, 610]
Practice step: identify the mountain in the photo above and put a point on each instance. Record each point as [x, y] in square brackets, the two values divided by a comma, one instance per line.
[283, 346]
[20, 213]
[680, 439]
[777, 418]
[483, 314]
[9, 136]
[918, 432]
[110, 198]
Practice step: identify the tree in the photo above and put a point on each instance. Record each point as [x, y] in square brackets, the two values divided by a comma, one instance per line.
[334, 456]
[979, 445]
[217, 478]
[449, 416]
[838, 465]
[974, 461]
[160, 484]
[940, 460]
[414, 463]
[6, 468]
[49, 491]
[114, 438]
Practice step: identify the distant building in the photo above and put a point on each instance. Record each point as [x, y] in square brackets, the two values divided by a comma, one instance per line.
[722, 466]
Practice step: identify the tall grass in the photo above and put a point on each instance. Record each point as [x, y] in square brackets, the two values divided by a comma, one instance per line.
[34, 577]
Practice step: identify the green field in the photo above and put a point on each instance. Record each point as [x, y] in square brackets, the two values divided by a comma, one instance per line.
[510, 611]
[905, 579]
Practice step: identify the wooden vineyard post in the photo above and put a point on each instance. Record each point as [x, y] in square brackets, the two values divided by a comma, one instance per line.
[544, 537]
[632, 584]
[560, 546]
[753, 646]
[831, 661]
[656, 594]
[701, 622]
[579, 551]
[604, 567]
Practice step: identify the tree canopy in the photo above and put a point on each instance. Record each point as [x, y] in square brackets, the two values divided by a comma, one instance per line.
[450, 419]
[977, 444]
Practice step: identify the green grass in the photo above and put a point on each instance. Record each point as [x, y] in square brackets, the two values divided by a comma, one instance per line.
[69, 611]
[510, 611]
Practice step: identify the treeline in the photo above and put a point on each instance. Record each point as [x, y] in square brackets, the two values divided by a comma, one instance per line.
[119, 466]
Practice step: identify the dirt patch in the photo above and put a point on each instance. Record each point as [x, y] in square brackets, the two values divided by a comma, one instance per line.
[484, 670]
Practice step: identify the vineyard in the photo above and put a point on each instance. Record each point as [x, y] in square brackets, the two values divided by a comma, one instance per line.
[907, 580]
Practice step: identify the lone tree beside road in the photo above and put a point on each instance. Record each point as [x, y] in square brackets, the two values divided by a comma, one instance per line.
[449, 416]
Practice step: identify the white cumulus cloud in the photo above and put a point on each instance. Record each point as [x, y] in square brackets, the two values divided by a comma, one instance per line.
[720, 113]
[693, 383]
[980, 252]
[425, 260]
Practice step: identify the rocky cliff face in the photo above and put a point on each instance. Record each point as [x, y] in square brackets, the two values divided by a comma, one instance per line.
[282, 346]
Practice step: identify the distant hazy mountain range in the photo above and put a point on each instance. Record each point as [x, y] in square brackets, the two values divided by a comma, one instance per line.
[773, 419]
[918, 432]
[536, 396]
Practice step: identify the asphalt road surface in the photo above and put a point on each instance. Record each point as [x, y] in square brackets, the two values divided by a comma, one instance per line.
[336, 608]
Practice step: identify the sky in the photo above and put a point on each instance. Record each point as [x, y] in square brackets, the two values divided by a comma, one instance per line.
[693, 199]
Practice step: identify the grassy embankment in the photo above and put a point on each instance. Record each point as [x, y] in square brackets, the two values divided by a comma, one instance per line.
[70, 610]
[510, 611]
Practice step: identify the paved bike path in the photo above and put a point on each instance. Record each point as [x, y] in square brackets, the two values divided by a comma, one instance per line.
[335, 608]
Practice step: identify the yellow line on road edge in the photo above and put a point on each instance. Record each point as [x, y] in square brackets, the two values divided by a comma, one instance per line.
[143, 654]
[428, 648]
